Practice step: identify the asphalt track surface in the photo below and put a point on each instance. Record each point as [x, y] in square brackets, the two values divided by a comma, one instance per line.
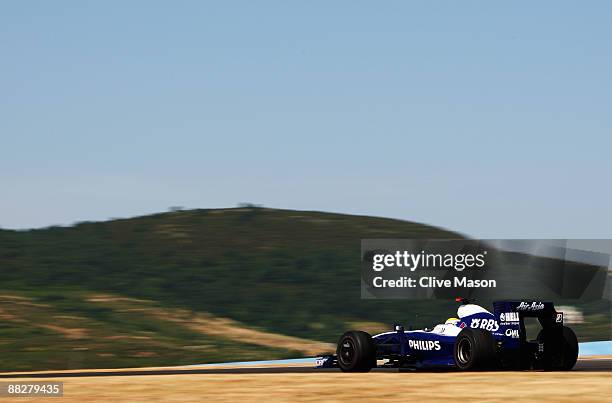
[583, 365]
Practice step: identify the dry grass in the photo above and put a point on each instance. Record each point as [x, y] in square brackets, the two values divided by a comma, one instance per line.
[370, 327]
[7, 316]
[70, 333]
[216, 326]
[230, 329]
[11, 310]
[339, 387]
[116, 298]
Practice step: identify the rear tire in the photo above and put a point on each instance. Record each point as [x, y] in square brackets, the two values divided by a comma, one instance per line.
[474, 350]
[356, 352]
[560, 349]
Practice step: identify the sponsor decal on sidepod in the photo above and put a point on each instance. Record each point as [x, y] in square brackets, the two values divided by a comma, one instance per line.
[509, 317]
[424, 345]
[514, 333]
[486, 324]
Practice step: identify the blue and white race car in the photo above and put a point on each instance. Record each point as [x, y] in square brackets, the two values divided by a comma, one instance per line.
[476, 340]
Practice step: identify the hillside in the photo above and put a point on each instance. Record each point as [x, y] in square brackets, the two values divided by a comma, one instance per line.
[286, 272]
[192, 287]
[278, 269]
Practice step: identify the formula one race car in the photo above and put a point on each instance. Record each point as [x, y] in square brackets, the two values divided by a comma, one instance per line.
[476, 340]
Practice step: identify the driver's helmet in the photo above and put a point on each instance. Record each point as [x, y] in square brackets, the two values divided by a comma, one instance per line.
[452, 321]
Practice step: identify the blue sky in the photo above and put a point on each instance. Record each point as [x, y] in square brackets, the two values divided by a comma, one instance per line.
[493, 119]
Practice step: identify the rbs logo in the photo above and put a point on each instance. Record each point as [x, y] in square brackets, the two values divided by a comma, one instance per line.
[486, 324]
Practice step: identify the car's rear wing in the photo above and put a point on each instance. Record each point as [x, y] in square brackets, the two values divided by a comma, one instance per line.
[510, 317]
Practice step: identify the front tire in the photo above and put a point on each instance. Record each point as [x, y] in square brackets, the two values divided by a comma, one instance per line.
[356, 352]
[474, 350]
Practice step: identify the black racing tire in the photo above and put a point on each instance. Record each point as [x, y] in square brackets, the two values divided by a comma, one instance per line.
[474, 350]
[356, 352]
[560, 349]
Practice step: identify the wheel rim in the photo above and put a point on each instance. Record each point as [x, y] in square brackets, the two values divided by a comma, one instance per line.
[347, 351]
[464, 351]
